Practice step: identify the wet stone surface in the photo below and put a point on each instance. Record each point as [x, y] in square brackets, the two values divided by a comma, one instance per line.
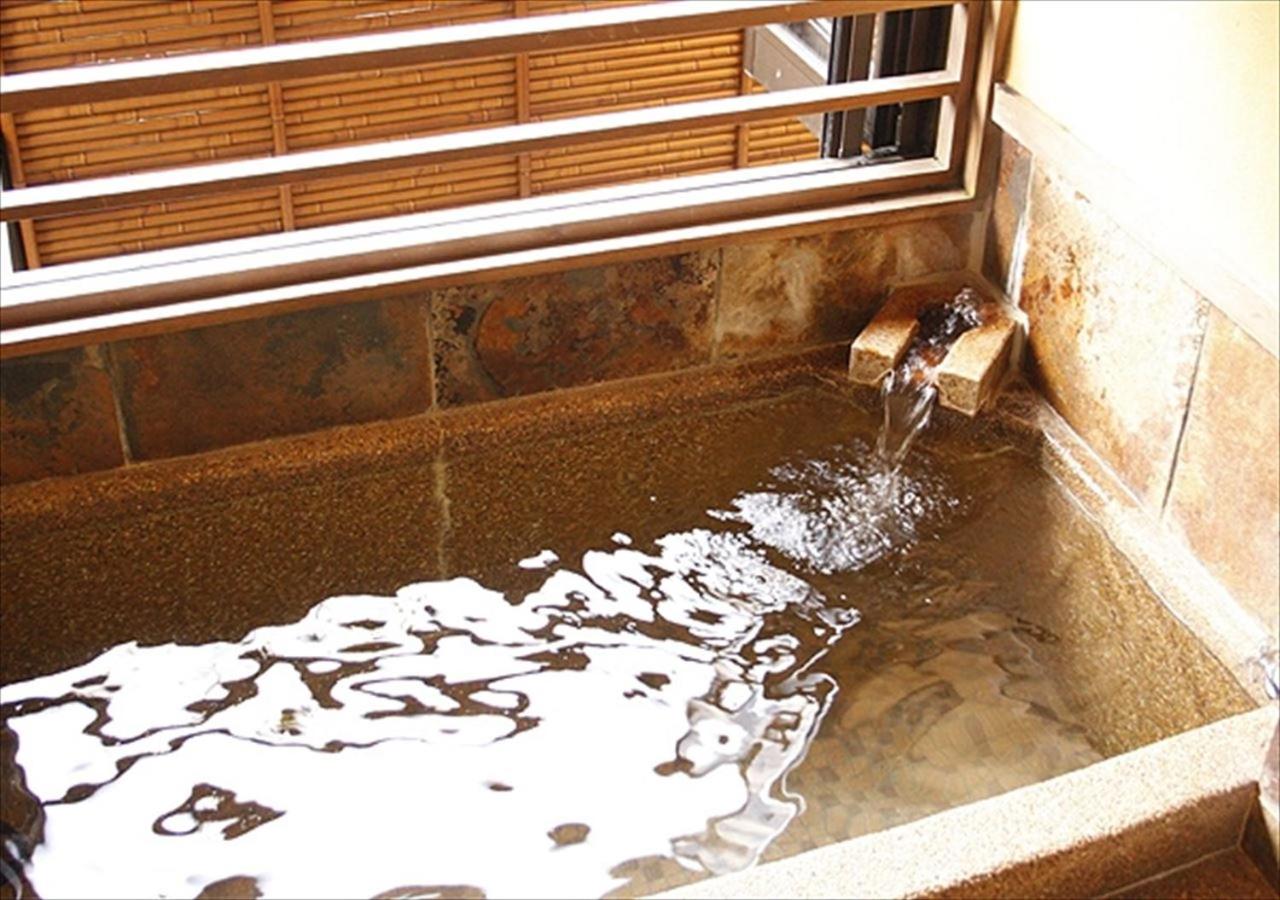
[639, 655]
[57, 416]
[826, 287]
[1113, 335]
[571, 328]
[1007, 210]
[1224, 499]
[212, 387]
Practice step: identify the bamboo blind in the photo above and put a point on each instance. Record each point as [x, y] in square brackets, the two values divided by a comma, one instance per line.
[116, 137]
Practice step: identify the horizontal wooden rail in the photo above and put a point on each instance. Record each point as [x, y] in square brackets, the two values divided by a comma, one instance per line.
[447, 236]
[217, 178]
[386, 230]
[107, 324]
[278, 62]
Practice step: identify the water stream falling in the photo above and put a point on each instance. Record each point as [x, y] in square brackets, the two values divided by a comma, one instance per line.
[909, 392]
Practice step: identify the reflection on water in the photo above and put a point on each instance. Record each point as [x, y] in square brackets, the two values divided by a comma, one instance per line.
[640, 707]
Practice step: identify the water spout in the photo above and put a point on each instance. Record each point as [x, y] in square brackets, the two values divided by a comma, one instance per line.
[909, 392]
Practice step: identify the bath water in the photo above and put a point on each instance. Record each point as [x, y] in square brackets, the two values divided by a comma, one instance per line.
[708, 665]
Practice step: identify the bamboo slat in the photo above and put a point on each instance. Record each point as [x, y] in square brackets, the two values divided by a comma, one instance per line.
[162, 242]
[158, 215]
[55, 244]
[332, 201]
[631, 176]
[112, 137]
[137, 134]
[153, 227]
[318, 91]
[778, 140]
[630, 150]
[128, 110]
[298, 21]
[687, 93]
[623, 53]
[47, 36]
[403, 201]
[417, 46]
[425, 204]
[173, 134]
[495, 91]
[469, 118]
[336, 189]
[427, 201]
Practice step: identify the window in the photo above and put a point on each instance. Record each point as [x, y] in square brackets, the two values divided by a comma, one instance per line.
[151, 166]
[894, 43]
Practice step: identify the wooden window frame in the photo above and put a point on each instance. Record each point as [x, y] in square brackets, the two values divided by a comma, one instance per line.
[154, 291]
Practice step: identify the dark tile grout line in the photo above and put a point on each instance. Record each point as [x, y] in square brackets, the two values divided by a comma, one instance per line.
[103, 355]
[1186, 409]
[715, 306]
[426, 306]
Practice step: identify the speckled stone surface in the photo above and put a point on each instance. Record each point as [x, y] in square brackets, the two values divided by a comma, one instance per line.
[572, 328]
[207, 568]
[57, 416]
[1113, 335]
[212, 387]
[1007, 208]
[1225, 497]
[826, 288]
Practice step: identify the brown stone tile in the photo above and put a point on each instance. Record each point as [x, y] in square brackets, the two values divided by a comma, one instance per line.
[826, 287]
[571, 328]
[1113, 336]
[1007, 209]
[1225, 497]
[213, 387]
[57, 416]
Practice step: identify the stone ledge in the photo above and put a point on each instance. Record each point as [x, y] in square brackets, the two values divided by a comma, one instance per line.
[1085, 833]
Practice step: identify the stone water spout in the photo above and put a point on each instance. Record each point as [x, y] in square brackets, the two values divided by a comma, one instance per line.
[966, 369]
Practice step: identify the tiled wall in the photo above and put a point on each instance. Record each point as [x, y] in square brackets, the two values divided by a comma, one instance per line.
[1181, 402]
[156, 397]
